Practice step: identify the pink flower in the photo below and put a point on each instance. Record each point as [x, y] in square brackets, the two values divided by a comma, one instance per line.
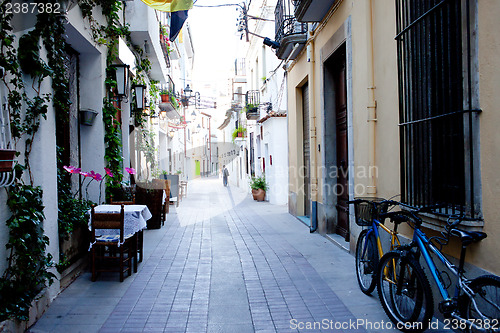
[108, 172]
[130, 171]
[97, 176]
[72, 169]
[86, 174]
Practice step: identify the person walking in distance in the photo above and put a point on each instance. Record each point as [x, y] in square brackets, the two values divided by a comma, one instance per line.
[225, 174]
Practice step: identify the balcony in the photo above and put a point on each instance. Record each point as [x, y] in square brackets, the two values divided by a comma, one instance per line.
[144, 29]
[165, 47]
[312, 10]
[290, 34]
[252, 101]
[168, 100]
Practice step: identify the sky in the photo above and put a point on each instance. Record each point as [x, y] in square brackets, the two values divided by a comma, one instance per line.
[215, 40]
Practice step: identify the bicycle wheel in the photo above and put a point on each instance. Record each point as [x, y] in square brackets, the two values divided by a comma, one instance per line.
[404, 292]
[484, 307]
[366, 261]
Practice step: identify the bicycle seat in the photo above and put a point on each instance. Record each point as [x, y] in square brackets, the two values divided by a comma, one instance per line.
[396, 217]
[468, 237]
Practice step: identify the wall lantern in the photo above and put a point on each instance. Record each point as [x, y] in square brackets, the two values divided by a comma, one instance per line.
[139, 95]
[171, 133]
[163, 114]
[188, 91]
[121, 79]
[188, 94]
[87, 117]
[66, 5]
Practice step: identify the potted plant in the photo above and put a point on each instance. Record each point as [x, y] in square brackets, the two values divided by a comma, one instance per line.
[239, 132]
[251, 107]
[6, 159]
[175, 102]
[164, 96]
[259, 187]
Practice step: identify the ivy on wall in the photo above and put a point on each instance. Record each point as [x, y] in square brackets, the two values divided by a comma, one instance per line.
[28, 264]
[27, 272]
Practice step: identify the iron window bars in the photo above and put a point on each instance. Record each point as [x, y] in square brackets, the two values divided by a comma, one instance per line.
[433, 46]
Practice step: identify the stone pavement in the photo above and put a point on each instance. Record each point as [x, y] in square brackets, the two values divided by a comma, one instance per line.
[223, 263]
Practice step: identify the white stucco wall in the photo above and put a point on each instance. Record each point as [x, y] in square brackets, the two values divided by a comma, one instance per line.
[276, 138]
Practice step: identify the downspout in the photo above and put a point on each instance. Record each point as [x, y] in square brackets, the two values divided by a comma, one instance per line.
[312, 129]
[372, 103]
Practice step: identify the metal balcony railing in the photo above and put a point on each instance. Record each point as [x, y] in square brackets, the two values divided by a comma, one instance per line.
[170, 85]
[165, 47]
[286, 23]
[289, 32]
[252, 102]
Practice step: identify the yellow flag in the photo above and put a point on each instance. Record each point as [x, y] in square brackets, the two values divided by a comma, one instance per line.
[169, 5]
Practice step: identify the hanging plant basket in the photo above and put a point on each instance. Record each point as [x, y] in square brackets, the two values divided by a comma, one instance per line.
[87, 117]
[7, 159]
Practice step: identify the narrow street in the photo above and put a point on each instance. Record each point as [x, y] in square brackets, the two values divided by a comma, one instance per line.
[222, 263]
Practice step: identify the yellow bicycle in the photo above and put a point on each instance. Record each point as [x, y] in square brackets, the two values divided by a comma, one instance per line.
[372, 213]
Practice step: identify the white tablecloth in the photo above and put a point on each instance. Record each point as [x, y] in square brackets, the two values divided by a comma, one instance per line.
[135, 218]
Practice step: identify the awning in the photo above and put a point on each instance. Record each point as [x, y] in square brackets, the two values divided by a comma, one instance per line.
[169, 5]
[227, 120]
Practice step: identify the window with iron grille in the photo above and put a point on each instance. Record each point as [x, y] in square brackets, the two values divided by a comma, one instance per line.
[436, 108]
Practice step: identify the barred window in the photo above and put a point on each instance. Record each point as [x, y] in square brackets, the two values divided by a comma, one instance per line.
[436, 113]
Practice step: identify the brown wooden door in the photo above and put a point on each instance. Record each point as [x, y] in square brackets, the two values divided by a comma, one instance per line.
[342, 187]
[307, 150]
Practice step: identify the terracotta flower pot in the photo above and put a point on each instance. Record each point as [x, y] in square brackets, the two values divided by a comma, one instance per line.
[6, 159]
[259, 194]
[165, 98]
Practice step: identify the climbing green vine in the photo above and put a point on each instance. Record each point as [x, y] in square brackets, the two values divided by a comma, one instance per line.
[27, 272]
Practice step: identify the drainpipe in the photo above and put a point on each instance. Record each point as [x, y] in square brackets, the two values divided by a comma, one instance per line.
[372, 103]
[312, 128]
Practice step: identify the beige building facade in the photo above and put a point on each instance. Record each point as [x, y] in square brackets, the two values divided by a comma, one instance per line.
[371, 110]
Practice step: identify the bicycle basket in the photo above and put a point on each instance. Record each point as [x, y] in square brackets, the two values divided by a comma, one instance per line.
[365, 212]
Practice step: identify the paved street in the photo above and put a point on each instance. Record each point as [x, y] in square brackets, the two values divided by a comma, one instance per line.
[222, 263]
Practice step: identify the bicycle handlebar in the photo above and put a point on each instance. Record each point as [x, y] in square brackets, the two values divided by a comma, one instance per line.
[390, 202]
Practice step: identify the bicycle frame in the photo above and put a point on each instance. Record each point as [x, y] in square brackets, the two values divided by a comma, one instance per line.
[374, 229]
[424, 245]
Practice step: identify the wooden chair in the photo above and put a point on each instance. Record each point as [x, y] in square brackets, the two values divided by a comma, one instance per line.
[184, 187]
[108, 249]
[165, 185]
[147, 194]
[140, 235]
[132, 202]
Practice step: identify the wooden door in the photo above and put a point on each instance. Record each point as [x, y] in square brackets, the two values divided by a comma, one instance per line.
[306, 151]
[342, 188]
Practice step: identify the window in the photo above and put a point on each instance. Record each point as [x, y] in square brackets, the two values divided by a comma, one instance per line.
[4, 118]
[436, 108]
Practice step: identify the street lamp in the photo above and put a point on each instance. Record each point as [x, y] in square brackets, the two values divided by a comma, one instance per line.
[121, 72]
[139, 95]
[188, 91]
[188, 94]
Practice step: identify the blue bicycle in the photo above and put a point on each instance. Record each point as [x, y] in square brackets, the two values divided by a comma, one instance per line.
[405, 292]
